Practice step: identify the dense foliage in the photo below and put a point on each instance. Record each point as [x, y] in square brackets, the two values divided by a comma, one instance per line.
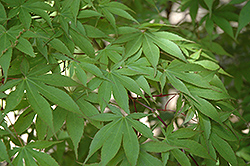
[89, 82]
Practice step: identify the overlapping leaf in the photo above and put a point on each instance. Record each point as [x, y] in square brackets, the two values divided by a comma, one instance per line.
[28, 154]
[75, 126]
[121, 129]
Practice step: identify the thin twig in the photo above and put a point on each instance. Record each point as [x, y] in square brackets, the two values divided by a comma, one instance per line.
[169, 101]
[151, 109]
[193, 160]
[14, 130]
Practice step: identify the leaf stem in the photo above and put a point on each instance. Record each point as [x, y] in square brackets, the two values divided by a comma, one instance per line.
[169, 101]
[193, 160]
[14, 130]
[151, 109]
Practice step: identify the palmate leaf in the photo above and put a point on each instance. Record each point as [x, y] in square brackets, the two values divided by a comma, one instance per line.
[3, 152]
[60, 46]
[243, 18]
[105, 117]
[41, 144]
[167, 46]
[25, 47]
[15, 97]
[191, 146]
[142, 128]
[27, 154]
[5, 62]
[183, 133]
[223, 148]
[205, 125]
[157, 146]
[112, 144]
[81, 75]
[207, 109]
[169, 36]
[82, 42]
[92, 69]
[130, 143]
[104, 94]
[133, 46]
[25, 17]
[216, 94]
[3, 16]
[75, 127]
[181, 157]
[87, 110]
[129, 84]
[56, 80]
[178, 84]
[24, 121]
[57, 96]
[88, 13]
[39, 104]
[42, 158]
[100, 138]
[120, 94]
[143, 84]
[121, 12]
[147, 159]
[120, 126]
[151, 51]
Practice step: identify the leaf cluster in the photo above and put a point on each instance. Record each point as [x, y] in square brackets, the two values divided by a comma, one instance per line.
[80, 76]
